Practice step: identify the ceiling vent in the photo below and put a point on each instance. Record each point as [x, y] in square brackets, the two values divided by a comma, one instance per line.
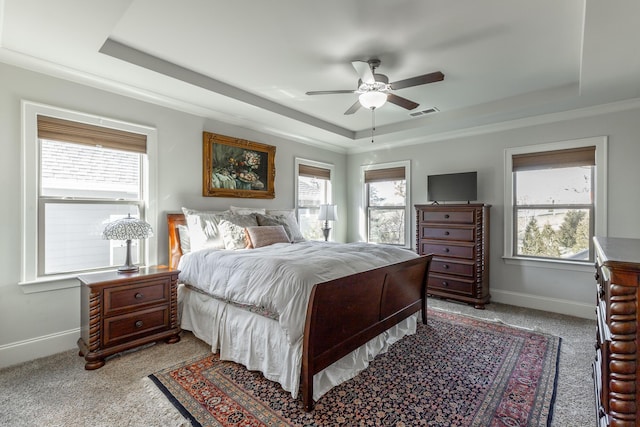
[424, 112]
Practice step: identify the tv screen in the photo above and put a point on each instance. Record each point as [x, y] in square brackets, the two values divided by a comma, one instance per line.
[452, 187]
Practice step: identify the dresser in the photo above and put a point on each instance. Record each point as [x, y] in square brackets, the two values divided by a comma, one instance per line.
[458, 238]
[120, 311]
[616, 369]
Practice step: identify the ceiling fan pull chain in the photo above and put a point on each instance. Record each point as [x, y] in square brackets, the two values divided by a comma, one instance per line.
[373, 123]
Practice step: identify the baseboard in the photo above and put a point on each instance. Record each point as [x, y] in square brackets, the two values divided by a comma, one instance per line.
[554, 305]
[34, 348]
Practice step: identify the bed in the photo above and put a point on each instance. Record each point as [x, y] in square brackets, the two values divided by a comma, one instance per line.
[346, 322]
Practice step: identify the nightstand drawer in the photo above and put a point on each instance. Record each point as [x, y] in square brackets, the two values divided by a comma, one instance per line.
[451, 267]
[448, 250]
[448, 284]
[449, 233]
[462, 216]
[131, 325]
[155, 291]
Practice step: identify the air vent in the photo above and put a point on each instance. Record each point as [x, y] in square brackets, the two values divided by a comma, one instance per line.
[424, 112]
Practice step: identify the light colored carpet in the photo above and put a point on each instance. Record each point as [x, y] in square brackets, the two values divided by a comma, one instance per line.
[57, 391]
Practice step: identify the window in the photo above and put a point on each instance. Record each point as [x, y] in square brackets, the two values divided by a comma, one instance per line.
[87, 171]
[313, 188]
[554, 203]
[386, 188]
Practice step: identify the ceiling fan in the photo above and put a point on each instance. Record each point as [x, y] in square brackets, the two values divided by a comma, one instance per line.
[374, 89]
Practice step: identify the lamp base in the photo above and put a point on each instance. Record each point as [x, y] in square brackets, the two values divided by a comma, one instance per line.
[128, 269]
[325, 232]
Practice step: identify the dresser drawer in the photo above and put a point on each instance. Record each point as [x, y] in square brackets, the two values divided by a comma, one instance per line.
[131, 325]
[448, 250]
[449, 233]
[452, 267]
[127, 297]
[446, 283]
[443, 216]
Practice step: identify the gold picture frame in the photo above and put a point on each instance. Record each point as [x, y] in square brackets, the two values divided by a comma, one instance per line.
[234, 167]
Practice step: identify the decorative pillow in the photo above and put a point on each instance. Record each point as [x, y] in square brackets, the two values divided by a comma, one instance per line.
[266, 235]
[203, 228]
[246, 211]
[273, 220]
[233, 235]
[185, 241]
[290, 216]
[232, 229]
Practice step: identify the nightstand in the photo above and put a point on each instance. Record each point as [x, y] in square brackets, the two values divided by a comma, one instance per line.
[121, 311]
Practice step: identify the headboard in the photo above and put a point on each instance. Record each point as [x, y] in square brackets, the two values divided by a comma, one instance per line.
[175, 251]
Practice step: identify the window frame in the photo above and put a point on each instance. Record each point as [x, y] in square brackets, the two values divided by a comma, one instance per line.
[365, 219]
[30, 279]
[599, 214]
[317, 164]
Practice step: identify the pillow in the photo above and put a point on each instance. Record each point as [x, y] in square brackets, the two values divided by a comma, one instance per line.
[290, 216]
[266, 235]
[185, 241]
[246, 211]
[232, 230]
[233, 235]
[203, 228]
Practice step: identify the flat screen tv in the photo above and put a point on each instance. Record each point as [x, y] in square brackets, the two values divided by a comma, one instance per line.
[452, 187]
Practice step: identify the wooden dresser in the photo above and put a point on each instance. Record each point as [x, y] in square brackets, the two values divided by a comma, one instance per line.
[458, 238]
[121, 311]
[616, 370]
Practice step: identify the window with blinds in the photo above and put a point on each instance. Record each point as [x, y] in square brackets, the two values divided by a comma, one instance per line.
[553, 203]
[313, 188]
[385, 188]
[88, 176]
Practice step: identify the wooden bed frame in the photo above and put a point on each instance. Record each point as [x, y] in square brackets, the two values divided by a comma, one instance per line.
[347, 312]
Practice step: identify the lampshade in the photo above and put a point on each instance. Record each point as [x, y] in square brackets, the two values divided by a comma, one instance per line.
[328, 213]
[127, 229]
[373, 99]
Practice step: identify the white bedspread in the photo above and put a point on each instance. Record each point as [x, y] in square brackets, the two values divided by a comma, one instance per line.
[279, 278]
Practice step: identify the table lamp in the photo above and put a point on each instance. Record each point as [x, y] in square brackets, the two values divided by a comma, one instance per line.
[127, 229]
[327, 213]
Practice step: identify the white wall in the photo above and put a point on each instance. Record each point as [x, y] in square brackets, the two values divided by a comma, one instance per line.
[563, 291]
[38, 324]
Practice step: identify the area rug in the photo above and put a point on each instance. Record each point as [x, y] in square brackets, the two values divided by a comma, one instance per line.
[455, 371]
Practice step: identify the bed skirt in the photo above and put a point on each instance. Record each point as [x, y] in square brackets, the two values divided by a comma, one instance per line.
[258, 342]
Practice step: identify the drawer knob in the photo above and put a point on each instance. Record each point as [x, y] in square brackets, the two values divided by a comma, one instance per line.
[445, 284]
[446, 250]
[445, 266]
[138, 324]
[446, 216]
[139, 296]
[446, 233]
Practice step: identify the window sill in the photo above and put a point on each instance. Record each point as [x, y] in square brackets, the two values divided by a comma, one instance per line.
[582, 266]
[46, 284]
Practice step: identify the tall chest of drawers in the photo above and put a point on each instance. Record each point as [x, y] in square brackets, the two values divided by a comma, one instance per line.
[458, 238]
[616, 369]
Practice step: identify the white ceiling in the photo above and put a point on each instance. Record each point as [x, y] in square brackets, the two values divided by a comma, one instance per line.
[250, 62]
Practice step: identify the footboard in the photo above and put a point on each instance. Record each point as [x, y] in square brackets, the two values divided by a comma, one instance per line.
[347, 312]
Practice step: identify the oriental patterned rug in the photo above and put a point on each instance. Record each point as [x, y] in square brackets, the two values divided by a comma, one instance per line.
[455, 371]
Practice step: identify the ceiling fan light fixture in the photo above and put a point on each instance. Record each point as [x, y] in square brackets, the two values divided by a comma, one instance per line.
[372, 99]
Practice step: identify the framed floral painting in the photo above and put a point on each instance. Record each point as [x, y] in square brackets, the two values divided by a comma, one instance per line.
[235, 167]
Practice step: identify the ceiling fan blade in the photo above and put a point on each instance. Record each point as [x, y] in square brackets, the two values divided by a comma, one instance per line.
[329, 92]
[355, 107]
[418, 80]
[364, 71]
[402, 102]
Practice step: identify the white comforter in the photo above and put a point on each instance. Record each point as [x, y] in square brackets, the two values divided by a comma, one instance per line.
[279, 278]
